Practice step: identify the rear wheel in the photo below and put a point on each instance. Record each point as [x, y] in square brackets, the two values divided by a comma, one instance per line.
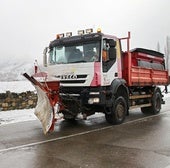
[156, 103]
[145, 110]
[118, 111]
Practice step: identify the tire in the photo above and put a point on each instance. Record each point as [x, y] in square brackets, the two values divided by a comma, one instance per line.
[118, 111]
[156, 104]
[68, 116]
[145, 110]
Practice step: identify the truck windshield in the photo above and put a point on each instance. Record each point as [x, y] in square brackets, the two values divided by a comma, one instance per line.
[85, 52]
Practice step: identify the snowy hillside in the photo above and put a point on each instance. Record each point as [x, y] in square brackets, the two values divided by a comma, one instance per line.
[12, 71]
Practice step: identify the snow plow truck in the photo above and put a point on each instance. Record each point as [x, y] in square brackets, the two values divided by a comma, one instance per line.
[88, 73]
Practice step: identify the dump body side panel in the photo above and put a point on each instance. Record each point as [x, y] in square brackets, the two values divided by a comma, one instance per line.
[143, 67]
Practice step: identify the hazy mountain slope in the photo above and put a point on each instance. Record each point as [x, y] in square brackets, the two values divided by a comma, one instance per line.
[12, 71]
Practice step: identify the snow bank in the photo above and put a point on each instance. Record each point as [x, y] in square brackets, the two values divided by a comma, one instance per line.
[166, 95]
[16, 86]
[14, 116]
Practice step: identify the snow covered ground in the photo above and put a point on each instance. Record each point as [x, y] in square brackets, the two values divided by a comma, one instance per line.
[13, 116]
[16, 86]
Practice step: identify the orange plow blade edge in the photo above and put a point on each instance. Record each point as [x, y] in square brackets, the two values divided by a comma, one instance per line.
[48, 97]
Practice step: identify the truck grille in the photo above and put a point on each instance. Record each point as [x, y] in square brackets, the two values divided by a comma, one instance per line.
[78, 80]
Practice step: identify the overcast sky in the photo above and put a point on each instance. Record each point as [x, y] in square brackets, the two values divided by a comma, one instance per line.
[27, 26]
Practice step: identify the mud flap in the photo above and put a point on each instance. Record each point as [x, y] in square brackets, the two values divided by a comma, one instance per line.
[44, 110]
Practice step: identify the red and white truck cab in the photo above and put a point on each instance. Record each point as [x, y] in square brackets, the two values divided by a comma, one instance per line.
[85, 65]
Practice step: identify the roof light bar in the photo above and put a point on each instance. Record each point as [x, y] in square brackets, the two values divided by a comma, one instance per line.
[58, 36]
[80, 32]
[99, 30]
[68, 34]
[61, 35]
[88, 31]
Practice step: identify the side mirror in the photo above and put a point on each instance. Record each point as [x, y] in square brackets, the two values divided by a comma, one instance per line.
[112, 50]
[112, 43]
[112, 53]
[45, 56]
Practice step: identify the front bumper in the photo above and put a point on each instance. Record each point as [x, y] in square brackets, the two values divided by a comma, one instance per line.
[93, 96]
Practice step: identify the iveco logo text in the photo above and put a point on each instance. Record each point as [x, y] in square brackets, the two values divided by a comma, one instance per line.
[72, 76]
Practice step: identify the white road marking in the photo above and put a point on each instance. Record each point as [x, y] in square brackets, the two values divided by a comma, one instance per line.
[78, 134]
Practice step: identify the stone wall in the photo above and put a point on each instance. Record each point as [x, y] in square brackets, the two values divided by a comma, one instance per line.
[13, 101]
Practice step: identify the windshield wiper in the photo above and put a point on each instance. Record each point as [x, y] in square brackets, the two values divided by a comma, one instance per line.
[78, 61]
[61, 62]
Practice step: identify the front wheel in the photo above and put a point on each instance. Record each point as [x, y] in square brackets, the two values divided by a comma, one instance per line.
[118, 111]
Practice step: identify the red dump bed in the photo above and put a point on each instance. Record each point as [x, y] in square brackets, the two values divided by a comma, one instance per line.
[142, 67]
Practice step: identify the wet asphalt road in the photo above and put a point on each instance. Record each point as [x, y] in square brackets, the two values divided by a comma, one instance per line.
[141, 142]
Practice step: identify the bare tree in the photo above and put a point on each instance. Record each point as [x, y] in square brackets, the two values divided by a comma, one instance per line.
[167, 51]
[158, 47]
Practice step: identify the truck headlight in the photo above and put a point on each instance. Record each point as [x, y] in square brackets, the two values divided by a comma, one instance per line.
[94, 93]
[93, 100]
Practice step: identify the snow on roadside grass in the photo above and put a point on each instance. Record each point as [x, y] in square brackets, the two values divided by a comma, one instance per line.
[16, 86]
[14, 116]
[166, 95]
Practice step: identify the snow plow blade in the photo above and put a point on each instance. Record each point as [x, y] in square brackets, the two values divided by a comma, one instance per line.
[48, 97]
